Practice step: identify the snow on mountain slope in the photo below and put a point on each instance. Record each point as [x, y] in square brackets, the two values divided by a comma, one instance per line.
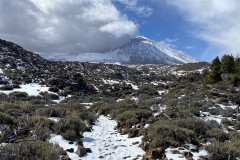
[139, 50]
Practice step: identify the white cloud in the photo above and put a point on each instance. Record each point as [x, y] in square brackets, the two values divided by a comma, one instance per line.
[215, 21]
[60, 26]
[188, 47]
[169, 42]
[132, 5]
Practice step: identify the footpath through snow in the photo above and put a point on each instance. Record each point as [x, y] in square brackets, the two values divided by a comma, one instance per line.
[104, 142]
[107, 144]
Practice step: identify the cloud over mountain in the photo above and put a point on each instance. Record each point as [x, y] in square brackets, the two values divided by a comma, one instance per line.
[216, 21]
[60, 26]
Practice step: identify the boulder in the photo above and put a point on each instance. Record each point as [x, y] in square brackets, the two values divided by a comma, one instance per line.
[71, 150]
[202, 139]
[144, 146]
[81, 151]
[194, 150]
[133, 133]
[79, 143]
[134, 143]
[71, 142]
[175, 152]
[187, 154]
[65, 157]
[204, 158]
[157, 153]
[88, 150]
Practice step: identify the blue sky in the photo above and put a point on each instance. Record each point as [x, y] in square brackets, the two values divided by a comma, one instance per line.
[201, 28]
[166, 24]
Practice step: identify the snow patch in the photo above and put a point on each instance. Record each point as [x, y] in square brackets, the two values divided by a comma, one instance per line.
[105, 141]
[31, 89]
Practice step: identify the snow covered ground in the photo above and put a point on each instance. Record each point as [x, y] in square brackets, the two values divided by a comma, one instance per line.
[196, 155]
[32, 89]
[104, 142]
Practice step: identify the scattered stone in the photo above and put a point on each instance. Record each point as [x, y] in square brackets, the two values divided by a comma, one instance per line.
[202, 139]
[101, 157]
[88, 150]
[144, 146]
[157, 153]
[204, 158]
[65, 157]
[126, 157]
[134, 143]
[81, 151]
[79, 143]
[71, 150]
[133, 133]
[187, 154]
[175, 152]
[194, 150]
[181, 149]
[139, 156]
[186, 146]
[71, 142]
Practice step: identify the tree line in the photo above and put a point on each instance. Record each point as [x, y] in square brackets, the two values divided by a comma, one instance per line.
[227, 65]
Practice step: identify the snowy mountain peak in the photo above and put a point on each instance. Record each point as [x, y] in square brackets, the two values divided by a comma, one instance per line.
[141, 38]
[139, 50]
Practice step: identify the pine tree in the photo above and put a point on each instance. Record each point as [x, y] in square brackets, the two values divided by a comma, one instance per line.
[237, 65]
[228, 64]
[214, 76]
[216, 62]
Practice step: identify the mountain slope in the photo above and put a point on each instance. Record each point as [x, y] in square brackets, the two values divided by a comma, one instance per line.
[139, 50]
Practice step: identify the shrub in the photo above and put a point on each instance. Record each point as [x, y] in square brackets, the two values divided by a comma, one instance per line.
[19, 94]
[198, 126]
[32, 150]
[73, 106]
[86, 115]
[72, 123]
[220, 135]
[237, 125]
[224, 150]
[53, 96]
[51, 111]
[166, 134]
[6, 119]
[226, 122]
[69, 135]
[6, 88]
[14, 112]
[54, 89]
[41, 126]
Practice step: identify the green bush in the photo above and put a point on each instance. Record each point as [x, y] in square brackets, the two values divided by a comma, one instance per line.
[69, 135]
[70, 123]
[224, 150]
[166, 134]
[51, 111]
[54, 89]
[237, 125]
[220, 135]
[6, 119]
[6, 88]
[33, 150]
[19, 94]
[198, 126]
[226, 122]
[87, 115]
